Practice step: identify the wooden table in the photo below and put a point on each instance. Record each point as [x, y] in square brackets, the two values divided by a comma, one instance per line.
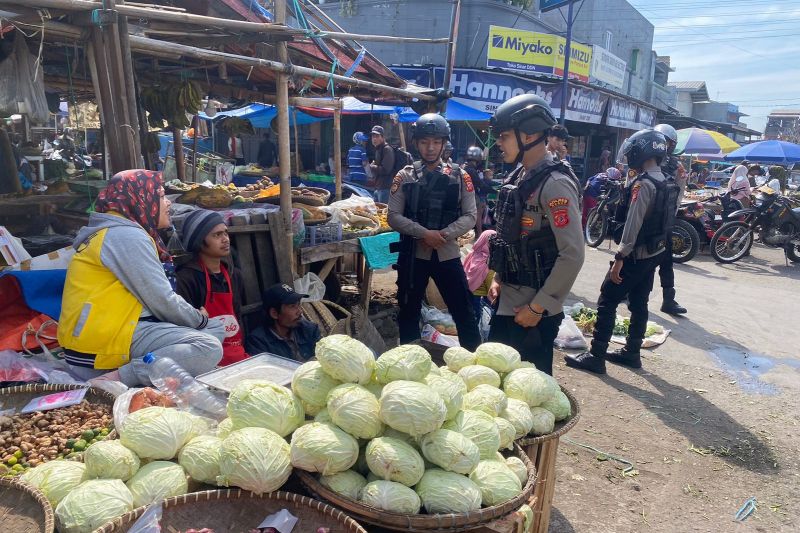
[331, 253]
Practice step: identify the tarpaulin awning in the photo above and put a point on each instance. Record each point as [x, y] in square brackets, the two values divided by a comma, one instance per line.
[261, 115]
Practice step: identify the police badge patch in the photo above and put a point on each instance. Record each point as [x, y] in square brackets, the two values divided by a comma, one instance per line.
[635, 192]
[396, 182]
[560, 217]
[468, 183]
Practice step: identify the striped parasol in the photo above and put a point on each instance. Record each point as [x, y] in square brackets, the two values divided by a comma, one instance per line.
[696, 141]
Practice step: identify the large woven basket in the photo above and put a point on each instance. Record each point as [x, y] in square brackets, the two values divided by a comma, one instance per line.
[24, 509]
[424, 522]
[234, 510]
[560, 428]
[18, 397]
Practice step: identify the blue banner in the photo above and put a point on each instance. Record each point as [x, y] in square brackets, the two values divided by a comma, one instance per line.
[548, 5]
[417, 75]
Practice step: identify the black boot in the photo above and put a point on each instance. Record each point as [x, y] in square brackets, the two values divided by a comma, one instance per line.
[586, 361]
[670, 306]
[626, 356]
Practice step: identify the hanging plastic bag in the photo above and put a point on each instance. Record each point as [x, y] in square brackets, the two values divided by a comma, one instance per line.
[298, 228]
[150, 521]
[312, 285]
[570, 336]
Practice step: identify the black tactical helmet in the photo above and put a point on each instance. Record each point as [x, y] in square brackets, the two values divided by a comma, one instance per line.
[644, 145]
[430, 125]
[448, 148]
[474, 153]
[527, 113]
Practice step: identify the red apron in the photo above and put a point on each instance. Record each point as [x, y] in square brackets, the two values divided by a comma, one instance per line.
[220, 304]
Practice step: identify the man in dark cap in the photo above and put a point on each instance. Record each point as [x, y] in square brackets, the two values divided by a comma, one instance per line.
[208, 283]
[284, 331]
[383, 166]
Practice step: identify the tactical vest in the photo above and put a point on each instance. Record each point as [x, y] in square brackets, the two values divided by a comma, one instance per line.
[434, 200]
[670, 166]
[524, 258]
[653, 233]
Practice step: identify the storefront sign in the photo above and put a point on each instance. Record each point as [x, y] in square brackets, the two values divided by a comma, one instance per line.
[528, 51]
[420, 76]
[485, 91]
[647, 117]
[549, 5]
[607, 68]
[585, 105]
[622, 114]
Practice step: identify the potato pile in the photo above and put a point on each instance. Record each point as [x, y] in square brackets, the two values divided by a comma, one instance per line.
[31, 439]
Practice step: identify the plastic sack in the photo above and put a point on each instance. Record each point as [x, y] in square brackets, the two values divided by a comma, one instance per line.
[356, 201]
[570, 336]
[435, 317]
[298, 229]
[121, 405]
[312, 285]
[14, 367]
[150, 521]
[430, 334]
[283, 521]
[22, 84]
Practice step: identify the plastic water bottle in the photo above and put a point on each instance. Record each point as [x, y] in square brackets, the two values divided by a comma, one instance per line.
[188, 393]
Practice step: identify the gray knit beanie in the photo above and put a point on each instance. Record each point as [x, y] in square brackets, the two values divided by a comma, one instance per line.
[196, 227]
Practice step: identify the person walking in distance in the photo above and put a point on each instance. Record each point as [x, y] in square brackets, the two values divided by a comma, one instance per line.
[483, 186]
[357, 162]
[538, 249]
[431, 204]
[383, 165]
[643, 218]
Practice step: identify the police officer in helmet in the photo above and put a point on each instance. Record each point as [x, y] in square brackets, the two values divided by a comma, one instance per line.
[538, 249]
[431, 204]
[642, 221]
[473, 165]
[672, 169]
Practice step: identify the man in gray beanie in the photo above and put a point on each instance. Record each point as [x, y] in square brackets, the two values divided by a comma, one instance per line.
[209, 281]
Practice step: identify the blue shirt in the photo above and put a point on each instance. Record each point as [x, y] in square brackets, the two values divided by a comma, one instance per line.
[356, 157]
[594, 187]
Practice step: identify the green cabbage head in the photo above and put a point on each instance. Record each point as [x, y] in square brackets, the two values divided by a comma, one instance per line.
[312, 385]
[394, 460]
[474, 375]
[56, 478]
[355, 410]
[478, 427]
[507, 433]
[558, 405]
[93, 503]
[445, 492]
[450, 450]
[390, 496]
[255, 459]
[498, 357]
[323, 448]
[109, 459]
[530, 385]
[348, 483]
[200, 458]
[345, 359]
[486, 398]
[412, 408]
[407, 362]
[263, 404]
[497, 482]
[518, 467]
[450, 388]
[519, 414]
[157, 432]
[543, 421]
[457, 358]
[156, 481]
[224, 428]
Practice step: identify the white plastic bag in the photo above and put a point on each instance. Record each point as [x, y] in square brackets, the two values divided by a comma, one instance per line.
[312, 285]
[430, 334]
[570, 336]
[150, 521]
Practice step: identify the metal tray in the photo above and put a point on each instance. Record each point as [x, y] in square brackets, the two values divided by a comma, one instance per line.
[264, 366]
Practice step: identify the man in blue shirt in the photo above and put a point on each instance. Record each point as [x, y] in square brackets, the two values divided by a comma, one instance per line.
[357, 158]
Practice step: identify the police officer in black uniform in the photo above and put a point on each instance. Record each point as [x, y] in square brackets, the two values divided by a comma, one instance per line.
[643, 218]
[538, 249]
[473, 165]
[672, 170]
[431, 204]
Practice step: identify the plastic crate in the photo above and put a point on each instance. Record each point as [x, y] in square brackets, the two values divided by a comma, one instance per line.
[323, 233]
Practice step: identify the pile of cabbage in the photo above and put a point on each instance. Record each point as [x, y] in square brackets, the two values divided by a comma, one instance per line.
[403, 435]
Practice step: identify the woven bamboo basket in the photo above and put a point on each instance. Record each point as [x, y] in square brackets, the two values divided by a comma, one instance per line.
[234, 510]
[24, 509]
[542, 452]
[424, 522]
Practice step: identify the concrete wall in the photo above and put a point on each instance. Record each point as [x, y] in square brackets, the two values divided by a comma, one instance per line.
[431, 18]
[683, 103]
[713, 111]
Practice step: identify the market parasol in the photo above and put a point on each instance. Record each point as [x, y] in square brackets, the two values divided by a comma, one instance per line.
[767, 152]
[696, 141]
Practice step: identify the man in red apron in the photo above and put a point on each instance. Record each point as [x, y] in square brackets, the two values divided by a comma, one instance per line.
[207, 282]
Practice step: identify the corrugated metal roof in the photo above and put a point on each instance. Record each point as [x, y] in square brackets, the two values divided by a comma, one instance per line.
[693, 85]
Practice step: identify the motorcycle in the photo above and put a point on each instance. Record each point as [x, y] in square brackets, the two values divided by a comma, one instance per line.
[696, 223]
[599, 220]
[773, 217]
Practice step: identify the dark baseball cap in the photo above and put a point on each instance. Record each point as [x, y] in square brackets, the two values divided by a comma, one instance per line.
[280, 294]
[377, 130]
[560, 132]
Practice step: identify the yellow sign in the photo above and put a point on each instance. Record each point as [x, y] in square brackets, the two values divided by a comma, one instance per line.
[529, 51]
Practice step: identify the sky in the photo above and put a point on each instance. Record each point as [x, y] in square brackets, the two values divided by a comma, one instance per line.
[747, 51]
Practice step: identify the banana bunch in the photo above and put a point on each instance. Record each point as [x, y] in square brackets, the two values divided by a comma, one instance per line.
[237, 125]
[171, 103]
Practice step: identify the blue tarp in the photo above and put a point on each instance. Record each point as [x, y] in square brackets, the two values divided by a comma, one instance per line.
[261, 115]
[41, 289]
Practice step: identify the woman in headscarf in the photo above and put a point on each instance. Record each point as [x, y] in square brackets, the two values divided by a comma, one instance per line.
[476, 267]
[118, 304]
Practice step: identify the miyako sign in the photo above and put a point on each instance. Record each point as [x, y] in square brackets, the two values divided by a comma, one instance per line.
[528, 51]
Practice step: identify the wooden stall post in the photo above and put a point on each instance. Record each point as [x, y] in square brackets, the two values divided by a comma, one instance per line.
[296, 145]
[337, 150]
[177, 145]
[402, 133]
[195, 126]
[284, 155]
[134, 135]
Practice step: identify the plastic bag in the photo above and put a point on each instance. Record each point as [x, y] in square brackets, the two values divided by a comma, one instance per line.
[283, 521]
[570, 336]
[435, 317]
[298, 228]
[150, 521]
[312, 285]
[14, 367]
[430, 334]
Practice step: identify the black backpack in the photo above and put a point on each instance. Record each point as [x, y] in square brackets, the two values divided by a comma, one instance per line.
[401, 159]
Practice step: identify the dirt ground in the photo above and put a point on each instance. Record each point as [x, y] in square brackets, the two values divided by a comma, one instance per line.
[710, 421]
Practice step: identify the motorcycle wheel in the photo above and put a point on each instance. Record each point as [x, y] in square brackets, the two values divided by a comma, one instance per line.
[722, 251]
[685, 242]
[596, 228]
[792, 253]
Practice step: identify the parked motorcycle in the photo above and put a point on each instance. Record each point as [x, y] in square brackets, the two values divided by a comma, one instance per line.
[696, 223]
[600, 217]
[773, 216]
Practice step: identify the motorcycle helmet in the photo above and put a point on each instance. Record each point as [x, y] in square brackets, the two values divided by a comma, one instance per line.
[670, 134]
[526, 113]
[360, 137]
[430, 125]
[613, 173]
[474, 153]
[644, 145]
[448, 149]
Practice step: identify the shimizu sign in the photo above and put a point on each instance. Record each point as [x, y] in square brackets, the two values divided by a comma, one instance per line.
[527, 51]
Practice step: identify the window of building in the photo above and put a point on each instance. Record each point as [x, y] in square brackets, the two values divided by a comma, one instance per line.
[608, 40]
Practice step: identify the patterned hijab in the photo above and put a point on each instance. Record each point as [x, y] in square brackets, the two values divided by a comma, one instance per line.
[134, 194]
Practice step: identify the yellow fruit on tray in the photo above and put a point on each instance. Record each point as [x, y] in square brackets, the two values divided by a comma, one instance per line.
[214, 198]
